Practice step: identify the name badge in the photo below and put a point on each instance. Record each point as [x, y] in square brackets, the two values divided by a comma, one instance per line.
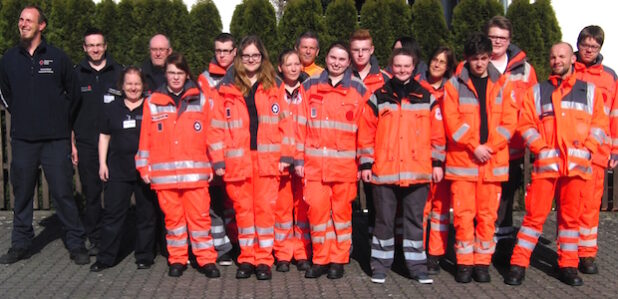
[128, 124]
[108, 98]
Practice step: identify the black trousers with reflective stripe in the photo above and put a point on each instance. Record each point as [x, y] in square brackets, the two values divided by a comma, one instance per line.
[217, 226]
[504, 221]
[413, 200]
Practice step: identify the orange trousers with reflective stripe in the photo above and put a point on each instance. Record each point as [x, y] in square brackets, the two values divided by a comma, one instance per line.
[290, 211]
[474, 201]
[438, 212]
[589, 217]
[538, 205]
[187, 208]
[254, 200]
[330, 219]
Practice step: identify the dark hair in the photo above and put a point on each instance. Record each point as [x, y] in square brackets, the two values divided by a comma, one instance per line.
[341, 45]
[476, 44]
[593, 31]
[94, 31]
[226, 37]
[42, 17]
[403, 51]
[500, 22]
[178, 60]
[307, 34]
[411, 44]
[131, 69]
[451, 63]
[284, 54]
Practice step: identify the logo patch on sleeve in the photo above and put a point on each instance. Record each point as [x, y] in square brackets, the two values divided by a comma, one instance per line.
[275, 108]
[197, 126]
[438, 114]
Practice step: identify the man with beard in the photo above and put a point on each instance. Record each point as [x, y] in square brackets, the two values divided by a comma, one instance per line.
[39, 89]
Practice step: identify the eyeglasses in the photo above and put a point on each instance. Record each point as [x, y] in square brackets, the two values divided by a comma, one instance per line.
[247, 57]
[439, 61]
[172, 74]
[158, 50]
[94, 45]
[590, 47]
[497, 38]
[223, 52]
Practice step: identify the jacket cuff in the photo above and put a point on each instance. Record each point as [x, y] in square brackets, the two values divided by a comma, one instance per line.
[285, 159]
[436, 163]
[218, 165]
[366, 166]
[299, 163]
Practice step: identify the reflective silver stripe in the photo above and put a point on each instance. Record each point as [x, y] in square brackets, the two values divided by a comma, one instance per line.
[461, 131]
[489, 250]
[283, 225]
[268, 148]
[530, 135]
[574, 106]
[401, 176]
[598, 134]
[221, 241]
[141, 163]
[280, 237]
[465, 250]
[462, 171]
[588, 231]
[568, 247]
[342, 225]
[332, 153]
[265, 230]
[364, 160]
[177, 231]
[330, 235]
[218, 124]
[330, 124]
[373, 99]
[588, 243]
[440, 217]
[200, 233]
[300, 147]
[547, 107]
[567, 233]
[584, 169]
[216, 146]
[143, 154]
[317, 240]
[194, 108]
[301, 120]
[246, 242]
[216, 229]
[233, 153]
[553, 167]
[499, 171]
[436, 155]
[536, 90]
[163, 109]
[184, 178]
[579, 153]
[504, 132]
[526, 244]
[606, 110]
[439, 227]
[383, 243]
[266, 243]
[590, 97]
[383, 254]
[246, 230]
[176, 243]
[613, 113]
[530, 232]
[412, 243]
[415, 256]
[234, 124]
[439, 147]
[365, 151]
[389, 106]
[318, 228]
[287, 140]
[550, 153]
[180, 165]
[468, 101]
[202, 245]
[344, 237]
[268, 119]
[415, 107]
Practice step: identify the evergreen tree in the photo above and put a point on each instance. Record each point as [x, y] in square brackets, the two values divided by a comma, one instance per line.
[237, 24]
[429, 26]
[341, 20]
[527, 34]
[105, 18]
[386, 20]
[470, 16]
[9, 16]
[300, 16]
[550, 34]
[68, 20]
[256, 17]
[205, 26]
[130, 50]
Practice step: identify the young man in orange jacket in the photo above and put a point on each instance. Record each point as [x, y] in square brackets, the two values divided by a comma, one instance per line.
[481, 118]
[563, 124]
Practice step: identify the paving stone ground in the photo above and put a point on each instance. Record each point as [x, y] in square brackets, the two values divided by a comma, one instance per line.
[49, 273]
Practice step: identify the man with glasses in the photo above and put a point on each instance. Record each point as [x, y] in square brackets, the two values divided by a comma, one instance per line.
[220, 204]
[511, 61]
[589, 68]
[97, 75]
[152, 68]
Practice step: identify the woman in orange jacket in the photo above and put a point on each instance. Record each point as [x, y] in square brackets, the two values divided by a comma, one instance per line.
[250, 147]
[172, 158]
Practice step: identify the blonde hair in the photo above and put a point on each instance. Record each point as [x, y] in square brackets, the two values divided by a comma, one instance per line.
[265, 73]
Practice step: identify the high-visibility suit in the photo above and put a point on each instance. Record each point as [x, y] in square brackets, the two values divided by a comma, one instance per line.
[326, 136]
[251, 174]
[604, 79]
[563, 124]
[475, 186]
[172, 153]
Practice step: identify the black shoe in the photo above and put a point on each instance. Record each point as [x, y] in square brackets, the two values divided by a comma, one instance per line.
[588, 266]
[464, 274]
[98, 267]
[433, 264]
[176, 270]
[13, 255]
[244, 270]
[316, 271]
[283, 266]
[225, 260]
[303, 265]
[142, 265]
[211, 271]
[481, 273]
[569, 276]
[515, 276]
[335, 271]
[80, 256]
[262, 272]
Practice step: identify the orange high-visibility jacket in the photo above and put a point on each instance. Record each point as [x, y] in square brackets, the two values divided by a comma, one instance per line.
[211, 77]
[462, 123]
[229, 140]
[604, 79]
[326, 135]
[376, 78]
[172, 145]
[437, 93]
[401, 139]
[563, 123]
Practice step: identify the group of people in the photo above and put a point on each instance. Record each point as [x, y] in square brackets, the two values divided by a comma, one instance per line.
[268, 156]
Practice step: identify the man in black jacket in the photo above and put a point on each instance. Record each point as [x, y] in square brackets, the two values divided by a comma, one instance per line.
[38, 88]
[160, 48]
[97, 75]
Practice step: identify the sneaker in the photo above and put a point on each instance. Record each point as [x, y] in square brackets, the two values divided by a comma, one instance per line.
[422, 278]
[225, 260]
[13, 255]
[378, 277]
[80, 256]
[588, 266]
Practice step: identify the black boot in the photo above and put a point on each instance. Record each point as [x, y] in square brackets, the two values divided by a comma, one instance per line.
[433, 264]
[316, 271]
[588, 266]
[569, 276]
[481, 273]
[464, 274]
[335, 271]
[515, 276]
[262, 272]
[244, 270]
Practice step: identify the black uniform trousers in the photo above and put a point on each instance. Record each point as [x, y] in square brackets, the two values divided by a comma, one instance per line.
[504, 222]
[413, 199]
[117, 204]
[92, 186]
[55, 158]
[217, 225]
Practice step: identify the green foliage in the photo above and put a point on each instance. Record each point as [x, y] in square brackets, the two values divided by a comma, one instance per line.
[237, 24]
[9, 14]
[68, 20]
[527, 33]
[300, 16]
[205, 26]
[256, 17]
[429, 26]
[341, 20]
[545, 15]
[105, 18]
[470, 16]
[386, 20]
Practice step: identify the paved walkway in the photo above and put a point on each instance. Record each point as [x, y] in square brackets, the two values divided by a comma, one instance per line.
[50, 274]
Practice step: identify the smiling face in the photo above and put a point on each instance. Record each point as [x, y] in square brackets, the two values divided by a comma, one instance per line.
[251, 59]
[30, 27]
[337, 61]
[176, 78]
[560, 60]
[95, 47]
[308, 50]
[500, 41]
[403, 67]
[438, 65]
[132, 86]
[291, 68]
